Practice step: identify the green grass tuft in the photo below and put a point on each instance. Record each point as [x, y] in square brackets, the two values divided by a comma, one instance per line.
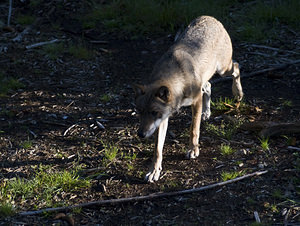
[110, 153]
[231, 175]
[54, 50]
[6, 210]
[26, 144]
[25, 19]
[44, 188]
[80, 52]
[264, 143]
[226, 150]
[223, 104]
[225, 130]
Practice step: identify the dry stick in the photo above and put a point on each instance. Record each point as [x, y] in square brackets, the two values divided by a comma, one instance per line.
[9, 13]
[41, 44]
[71, 127]
[255, 73]
[25, 31]
[20, 36]
[142, 198]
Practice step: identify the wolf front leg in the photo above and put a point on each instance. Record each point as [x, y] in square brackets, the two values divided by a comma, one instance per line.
[193, 151]
[206, 101]
[154, 173]
[237, 90]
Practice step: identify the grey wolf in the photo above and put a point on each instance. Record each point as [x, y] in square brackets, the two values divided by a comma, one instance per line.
[181, 78]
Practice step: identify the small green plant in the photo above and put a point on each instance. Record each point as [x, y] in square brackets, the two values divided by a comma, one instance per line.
[264, 143]
[274, 208]
[26, 144]
[110, 153]
[130, 167]
[231, 175]
[54, 50]
[6, 210]
[25, 19]
[105, 98]
[251, 201]
[287, 103]
[77, 210]
[226, 150]
[8, 84]
[80, 52]
[277, 194]
[128, 156]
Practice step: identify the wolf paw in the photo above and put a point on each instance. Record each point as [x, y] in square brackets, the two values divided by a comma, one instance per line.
[206, 114]
[153, 175]
[192, 153]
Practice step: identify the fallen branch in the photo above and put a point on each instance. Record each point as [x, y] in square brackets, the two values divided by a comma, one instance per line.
[143, 198]
[259, 72]
[293, 148]
[268, 129]
[280, 128]
[41, 44]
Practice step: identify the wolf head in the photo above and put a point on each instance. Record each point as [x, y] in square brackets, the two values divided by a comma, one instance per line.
[153, 106]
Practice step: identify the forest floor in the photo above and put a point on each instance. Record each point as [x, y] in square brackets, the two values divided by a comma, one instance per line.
[72, 109]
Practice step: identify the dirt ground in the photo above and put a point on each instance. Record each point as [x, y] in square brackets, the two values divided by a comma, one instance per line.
[65, 98]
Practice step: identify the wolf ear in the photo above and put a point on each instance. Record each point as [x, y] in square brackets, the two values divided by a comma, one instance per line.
[163, 93]
[138, 89]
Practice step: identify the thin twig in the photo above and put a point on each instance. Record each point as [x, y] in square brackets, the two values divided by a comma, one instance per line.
[71, 127]
[41, 44]
[142, 198]
[256, 216]
[272, 48]
[99, 42]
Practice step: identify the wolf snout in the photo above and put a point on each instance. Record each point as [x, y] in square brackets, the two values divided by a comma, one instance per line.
[141, 134]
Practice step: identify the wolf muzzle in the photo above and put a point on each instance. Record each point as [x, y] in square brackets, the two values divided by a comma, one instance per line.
[141, 134]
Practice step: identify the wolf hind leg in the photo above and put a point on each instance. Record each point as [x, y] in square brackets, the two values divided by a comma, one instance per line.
[234, 71]
[237, 89]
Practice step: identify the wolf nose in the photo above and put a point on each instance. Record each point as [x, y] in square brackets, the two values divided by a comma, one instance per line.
[141, 134]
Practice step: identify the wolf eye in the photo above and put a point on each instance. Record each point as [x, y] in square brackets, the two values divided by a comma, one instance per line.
[154, 113]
